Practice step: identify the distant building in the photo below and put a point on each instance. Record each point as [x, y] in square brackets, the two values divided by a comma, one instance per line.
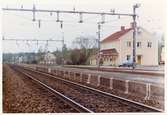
[117, 48]
[25, 59]
[49, 58]
[20, 59]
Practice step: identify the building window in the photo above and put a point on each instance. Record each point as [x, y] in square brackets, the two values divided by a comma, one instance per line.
[128, 57]
[110, 59]
[138, 44]
[149, 44]
[129, 44]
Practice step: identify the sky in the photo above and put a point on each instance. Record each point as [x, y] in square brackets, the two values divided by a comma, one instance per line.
[19, 25]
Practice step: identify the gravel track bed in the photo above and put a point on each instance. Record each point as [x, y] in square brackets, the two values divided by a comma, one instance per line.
[93, 101]
[154, 102]
[157, 102]
[21, 95]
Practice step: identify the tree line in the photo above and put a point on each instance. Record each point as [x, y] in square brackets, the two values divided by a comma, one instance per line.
[83, 48]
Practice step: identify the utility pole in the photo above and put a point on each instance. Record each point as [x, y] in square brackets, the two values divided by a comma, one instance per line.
[46, 53]
[99, 57]
[134, 34]
[33, 12]
[61, 22]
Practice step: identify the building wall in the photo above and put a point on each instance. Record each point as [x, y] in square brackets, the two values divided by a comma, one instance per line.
[115, 44]
[105, 62]
[49, 59]
[109, 62]
[93, 61]
[149, 56]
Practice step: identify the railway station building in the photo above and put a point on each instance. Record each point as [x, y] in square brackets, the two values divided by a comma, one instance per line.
[117, 48]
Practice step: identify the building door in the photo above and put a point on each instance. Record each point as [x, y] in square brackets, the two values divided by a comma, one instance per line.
[139, 59]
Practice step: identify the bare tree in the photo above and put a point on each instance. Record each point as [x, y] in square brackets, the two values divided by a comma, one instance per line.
[40, 55]
[86, 42]
[85, 46]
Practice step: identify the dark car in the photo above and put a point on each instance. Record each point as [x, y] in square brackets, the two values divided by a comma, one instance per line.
[162, 62]
[126, 64]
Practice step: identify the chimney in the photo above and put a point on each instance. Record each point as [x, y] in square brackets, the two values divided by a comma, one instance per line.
[122, 28]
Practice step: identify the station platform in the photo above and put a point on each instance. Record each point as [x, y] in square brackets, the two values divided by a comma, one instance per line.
[156, 77]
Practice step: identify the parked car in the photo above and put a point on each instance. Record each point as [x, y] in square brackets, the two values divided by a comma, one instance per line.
[126, 64]
[161, 62]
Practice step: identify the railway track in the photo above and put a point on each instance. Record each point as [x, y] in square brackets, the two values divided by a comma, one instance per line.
[97, 101]
[76, 106]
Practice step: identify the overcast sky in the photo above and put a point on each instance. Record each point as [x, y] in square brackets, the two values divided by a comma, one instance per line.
[19, 25]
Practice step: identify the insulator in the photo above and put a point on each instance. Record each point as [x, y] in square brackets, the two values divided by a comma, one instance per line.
[99, 26]
[50, 13]
[39, 23]
[33, 13]
[61, 24]
[33, 19]
[81, 21]
[102, 18]
[58, 20]
[112, 10]
[80, 18]
[74, 8]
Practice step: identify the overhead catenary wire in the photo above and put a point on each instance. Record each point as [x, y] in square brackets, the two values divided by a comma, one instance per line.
[71, 23]
[65, 11]
[68, 22]
[103, 14]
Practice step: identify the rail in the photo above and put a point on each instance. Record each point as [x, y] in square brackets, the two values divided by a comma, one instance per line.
[124, 100]
[72, 103]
